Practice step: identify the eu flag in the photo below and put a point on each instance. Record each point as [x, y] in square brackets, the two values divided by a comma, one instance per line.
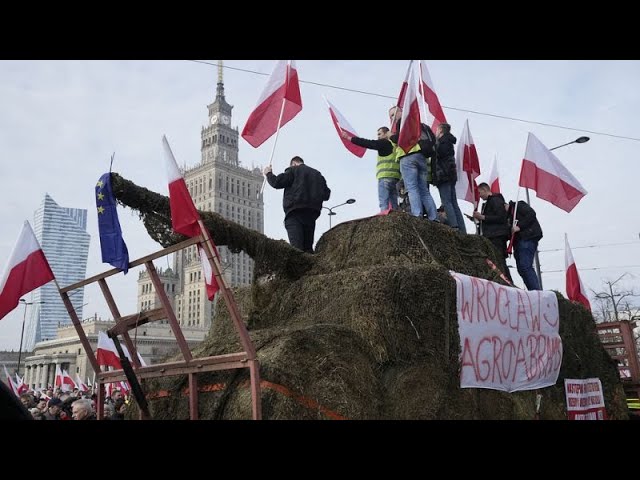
[114, 250]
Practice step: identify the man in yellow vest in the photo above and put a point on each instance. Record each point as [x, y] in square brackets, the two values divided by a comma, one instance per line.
[387, 169]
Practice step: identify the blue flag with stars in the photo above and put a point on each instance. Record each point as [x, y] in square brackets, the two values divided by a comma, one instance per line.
[114, 250]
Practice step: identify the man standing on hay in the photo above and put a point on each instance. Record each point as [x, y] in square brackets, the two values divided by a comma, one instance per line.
[304, 191]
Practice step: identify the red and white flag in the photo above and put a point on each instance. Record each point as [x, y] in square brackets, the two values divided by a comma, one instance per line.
[27, 270]
[575, 290]
[403, 92]
[342, 125]
[468, 167]
[58, 378]
[81, 385]
[67, 381]
[410, 128]
[435, 115]
[542, 171]
[107, 354]
[12, 384]
[282, 94]
[184, 216]
[494, 178]
[20, 385]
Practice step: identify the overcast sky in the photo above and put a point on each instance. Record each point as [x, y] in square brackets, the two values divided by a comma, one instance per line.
[61, 120]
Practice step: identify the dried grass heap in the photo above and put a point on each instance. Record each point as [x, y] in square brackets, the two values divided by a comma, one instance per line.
[364, 329]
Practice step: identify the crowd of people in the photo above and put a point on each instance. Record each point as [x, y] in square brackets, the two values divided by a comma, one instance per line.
[403, 184]
[54, 404]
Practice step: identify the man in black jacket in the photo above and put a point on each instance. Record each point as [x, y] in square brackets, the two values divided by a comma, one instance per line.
[493, 223]
[304, 191]
[444, 176]
[528, 233]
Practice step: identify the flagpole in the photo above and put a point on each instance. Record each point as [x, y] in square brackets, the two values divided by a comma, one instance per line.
[275, 142]
[424, 102]
[514, 222]
[536, 256]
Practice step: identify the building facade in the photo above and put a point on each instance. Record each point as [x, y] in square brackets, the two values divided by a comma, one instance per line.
[62, 233]
[154, 341]
[218, 183]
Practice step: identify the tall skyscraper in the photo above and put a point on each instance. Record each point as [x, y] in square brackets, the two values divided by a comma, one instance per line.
[62, 233]
[219, 184]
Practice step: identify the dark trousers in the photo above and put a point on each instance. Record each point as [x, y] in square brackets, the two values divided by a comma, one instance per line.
[500, 244]
[301, 227]
[524, 253]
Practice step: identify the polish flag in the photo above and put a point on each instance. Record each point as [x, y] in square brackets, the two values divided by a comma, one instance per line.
[184, 216]
[281, 95]
[10, 381]
[400, 103]
[468, 167]
[27, 270]
[575, 290]
[68, 381]
[410, 128]
[20, 385]
[428, 92]
[59, 380]
[342, 125]
[494, 179]
[107, 354]
[81, 385]
[542, 171]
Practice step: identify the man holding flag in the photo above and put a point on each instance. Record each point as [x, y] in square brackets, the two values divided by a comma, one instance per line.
[387, 169]
[304, 191]
[527, 233]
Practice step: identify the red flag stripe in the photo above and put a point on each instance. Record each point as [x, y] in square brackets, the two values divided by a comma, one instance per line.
[184, 216]
[574, 289]
[353, 148]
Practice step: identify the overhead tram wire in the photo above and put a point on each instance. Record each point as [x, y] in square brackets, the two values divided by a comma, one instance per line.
[591, 246]
[373, 94]
[620, 267]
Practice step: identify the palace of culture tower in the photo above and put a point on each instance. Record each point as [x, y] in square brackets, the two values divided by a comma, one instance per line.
[218, 184]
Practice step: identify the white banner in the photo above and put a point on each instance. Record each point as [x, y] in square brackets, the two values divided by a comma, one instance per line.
[509, 337]
[585, 399]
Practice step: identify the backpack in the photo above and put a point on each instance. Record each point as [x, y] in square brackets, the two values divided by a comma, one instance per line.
[427, 140]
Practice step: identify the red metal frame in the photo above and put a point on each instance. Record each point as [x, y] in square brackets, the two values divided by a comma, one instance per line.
[189, 366]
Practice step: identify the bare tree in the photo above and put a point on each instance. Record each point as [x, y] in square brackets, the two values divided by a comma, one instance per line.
[613, 302]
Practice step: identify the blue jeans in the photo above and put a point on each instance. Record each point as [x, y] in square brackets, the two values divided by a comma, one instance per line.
[524, 252]
[414, 173]
[387, 193]
[450, 202]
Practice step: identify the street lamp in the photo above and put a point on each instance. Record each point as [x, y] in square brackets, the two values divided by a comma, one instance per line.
[537, 257]
[24, 318]
[332, 213]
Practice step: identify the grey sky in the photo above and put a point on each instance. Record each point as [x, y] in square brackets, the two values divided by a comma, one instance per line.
[61, 120]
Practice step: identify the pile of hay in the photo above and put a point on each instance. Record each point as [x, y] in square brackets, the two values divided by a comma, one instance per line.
[366, 329]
